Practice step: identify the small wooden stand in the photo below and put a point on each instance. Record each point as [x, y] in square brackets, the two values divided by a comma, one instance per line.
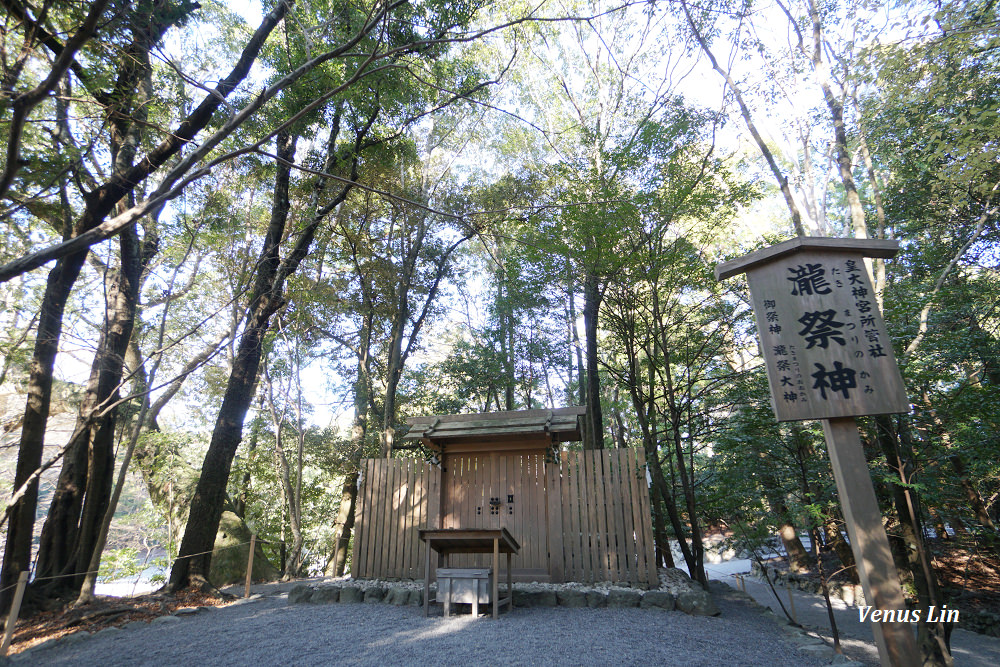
[449, 541]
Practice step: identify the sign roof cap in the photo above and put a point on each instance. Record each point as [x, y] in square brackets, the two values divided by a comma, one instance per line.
[881, 248]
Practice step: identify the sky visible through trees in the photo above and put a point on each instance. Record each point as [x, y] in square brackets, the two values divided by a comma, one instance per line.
[292, 227]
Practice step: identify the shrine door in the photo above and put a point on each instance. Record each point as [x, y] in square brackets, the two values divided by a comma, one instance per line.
[500, 489]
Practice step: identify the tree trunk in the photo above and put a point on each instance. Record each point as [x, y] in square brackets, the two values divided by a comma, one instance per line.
[664, 554]
[337, 564]
[99, 203]
[594, 436]
[798, 557]
[696, 568]
[194, 560]
[346, 514]
[835, 539]
[81, 497]
[577, 348]
[971, 493]
[932, 638]
[20, 526]
[290, 566]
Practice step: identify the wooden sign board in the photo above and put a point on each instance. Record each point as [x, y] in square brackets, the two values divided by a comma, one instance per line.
[823, 338]
[829, 357]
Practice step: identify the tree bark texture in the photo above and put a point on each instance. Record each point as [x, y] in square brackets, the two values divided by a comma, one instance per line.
[81, 497]
[20, 525]
[98, 204]
[932, 638]
[195, 557]
[594, 436]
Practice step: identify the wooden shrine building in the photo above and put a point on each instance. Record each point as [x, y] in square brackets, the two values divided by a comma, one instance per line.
[578, 516]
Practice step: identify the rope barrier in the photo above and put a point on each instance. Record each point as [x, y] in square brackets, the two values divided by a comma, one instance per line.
[80, 574]
[228, 546]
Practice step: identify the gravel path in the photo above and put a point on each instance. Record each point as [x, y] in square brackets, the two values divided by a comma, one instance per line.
[269, 631]
[968, 648]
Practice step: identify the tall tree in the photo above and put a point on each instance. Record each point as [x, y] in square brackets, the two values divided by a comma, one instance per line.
[395, 33]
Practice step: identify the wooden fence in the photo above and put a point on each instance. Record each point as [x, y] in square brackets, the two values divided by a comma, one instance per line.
[593, 508]
[396, 498]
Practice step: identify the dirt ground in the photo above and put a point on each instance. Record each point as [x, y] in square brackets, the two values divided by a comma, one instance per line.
[969, 577]
[105, 612]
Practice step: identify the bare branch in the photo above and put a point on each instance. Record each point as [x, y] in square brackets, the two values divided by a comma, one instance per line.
[25, 102]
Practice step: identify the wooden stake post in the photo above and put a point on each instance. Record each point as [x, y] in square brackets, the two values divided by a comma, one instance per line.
[253, 547]
[15, 609]
[829, 357]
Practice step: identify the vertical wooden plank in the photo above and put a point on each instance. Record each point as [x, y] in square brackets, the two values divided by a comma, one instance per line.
[617, 481]
[359, 523]
[524, 493]
[360, 528]
[404, 547]
[388, 525]
[586, 500]
[625, 511]
[459, 498]
[569, 533]
[554, 528]
[385, 518]
[537, 538]
[419, 504]
[434, 492]
[613, 490]
[405, 519]
[611, 506]
[599, 465]
[479, 486]
[396, 526]
[374, 493]
[515, 521]
[597, 509]
[652, 576]
[540, 511]
[626, 533]
[371, 502]
[496, 461]
[390, 531]
[480, 489]
[524, 486]
[572, 502]
[578, 507]
[407, 512]
[600, 513]
[636, 558]
[378, 503]
[478, 493]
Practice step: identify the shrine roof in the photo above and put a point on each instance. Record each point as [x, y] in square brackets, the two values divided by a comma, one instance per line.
[556, 425]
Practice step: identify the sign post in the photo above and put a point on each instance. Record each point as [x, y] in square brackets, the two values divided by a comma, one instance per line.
[829, 357]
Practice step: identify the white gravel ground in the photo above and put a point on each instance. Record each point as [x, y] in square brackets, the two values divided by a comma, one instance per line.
[269, 631]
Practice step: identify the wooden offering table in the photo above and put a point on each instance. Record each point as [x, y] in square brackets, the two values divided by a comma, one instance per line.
[449, 541]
